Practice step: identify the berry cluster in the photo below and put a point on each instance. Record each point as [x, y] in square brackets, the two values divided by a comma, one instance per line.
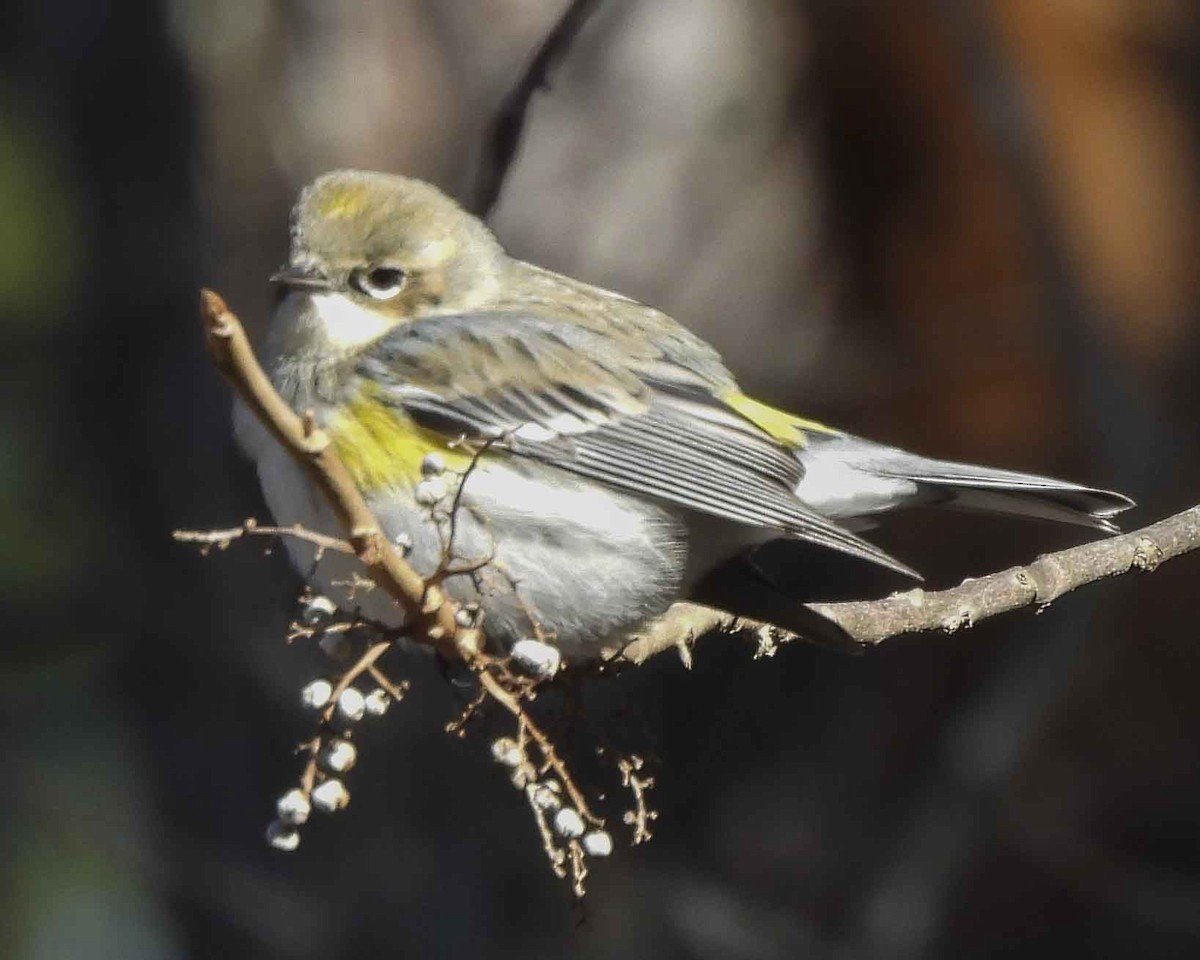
[332, 753]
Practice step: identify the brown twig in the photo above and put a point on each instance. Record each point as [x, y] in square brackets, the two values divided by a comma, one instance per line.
[551, 760]
[367, 663]
[504, 134]
[431, 616]
[870, 622]
[640, 816]
[221, 539]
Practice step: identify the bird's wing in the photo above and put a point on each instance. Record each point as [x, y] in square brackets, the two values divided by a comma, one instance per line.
[572, 398]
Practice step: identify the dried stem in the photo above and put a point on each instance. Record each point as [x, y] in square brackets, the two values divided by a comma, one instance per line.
[870, 622]
[497, 691]
[431, 616]
[221, 539]
[640, 816]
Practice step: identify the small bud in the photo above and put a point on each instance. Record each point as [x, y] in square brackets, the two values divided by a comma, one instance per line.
[339, 756]
[430, 491]
[330, 796]
[553, 785]
[465, 616]
[351, 705]
[520, 778]
[282, 837]
[403, 542]
[316, 694]
[433, 465]
[376, 702]
[293, 808]
[537, 658]
[544, 798]
[598, 843]
[317, 611]
[506, 751]
[568, 823]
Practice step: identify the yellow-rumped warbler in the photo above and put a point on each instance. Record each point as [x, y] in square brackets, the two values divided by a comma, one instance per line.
[610, 460]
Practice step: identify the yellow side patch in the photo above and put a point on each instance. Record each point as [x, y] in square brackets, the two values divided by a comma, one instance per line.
[382, 447]
[788, 429]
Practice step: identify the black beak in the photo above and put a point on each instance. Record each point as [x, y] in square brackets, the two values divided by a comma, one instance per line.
[302, 278]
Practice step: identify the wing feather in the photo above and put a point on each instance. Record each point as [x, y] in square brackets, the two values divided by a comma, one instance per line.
[571, 398]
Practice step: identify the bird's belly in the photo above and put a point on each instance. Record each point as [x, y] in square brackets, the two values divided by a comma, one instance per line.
[549, 554]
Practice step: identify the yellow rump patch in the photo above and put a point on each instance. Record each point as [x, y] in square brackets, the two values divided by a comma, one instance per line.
[788, 429]
[382, 447]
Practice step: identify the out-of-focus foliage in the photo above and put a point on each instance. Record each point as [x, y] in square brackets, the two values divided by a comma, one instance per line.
[967, 228]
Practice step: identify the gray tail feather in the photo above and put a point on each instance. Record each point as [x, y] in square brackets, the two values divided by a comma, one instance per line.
[1021, 494]
[910, 479]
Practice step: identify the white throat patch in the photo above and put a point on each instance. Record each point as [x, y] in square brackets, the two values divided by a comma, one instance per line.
[343, 323]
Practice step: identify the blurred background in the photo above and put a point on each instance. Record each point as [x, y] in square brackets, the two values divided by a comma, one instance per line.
[970, 228]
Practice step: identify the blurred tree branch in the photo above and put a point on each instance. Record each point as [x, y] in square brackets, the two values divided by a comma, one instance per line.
[504, 133]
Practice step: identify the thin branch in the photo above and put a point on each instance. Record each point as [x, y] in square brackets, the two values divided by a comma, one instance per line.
[641, 815]
[503, 137]
[431, 615]
[221, 539]
[496, 690]
[870, 622]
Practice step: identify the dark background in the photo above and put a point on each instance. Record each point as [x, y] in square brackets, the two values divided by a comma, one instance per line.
[969, 228]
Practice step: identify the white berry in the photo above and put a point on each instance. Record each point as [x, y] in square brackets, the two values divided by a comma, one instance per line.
[282, 837]
[317, 611]
[315, 695]
[339, 756]
[545, 798]
[506, 751]
[293, 808]
[598, 843]
[430, 491]
[335, 644]
[568, 823]
[535, 657]
[376, 702]
[433, 465]
[330, 796]
[351, 705]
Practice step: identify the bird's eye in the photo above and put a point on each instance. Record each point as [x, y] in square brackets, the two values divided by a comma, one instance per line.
[379, 283]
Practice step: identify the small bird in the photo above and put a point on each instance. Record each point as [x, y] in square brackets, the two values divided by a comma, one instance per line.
[574, 461]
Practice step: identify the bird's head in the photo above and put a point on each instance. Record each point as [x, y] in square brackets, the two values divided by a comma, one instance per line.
[370, 251]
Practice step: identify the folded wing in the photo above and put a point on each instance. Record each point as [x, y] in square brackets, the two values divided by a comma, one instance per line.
[570, 398]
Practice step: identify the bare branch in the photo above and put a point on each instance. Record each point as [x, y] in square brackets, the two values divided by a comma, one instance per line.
[504, 134]
[870, 622]
[221, 539]
[496, 690]
[641, 815]
[431, 615]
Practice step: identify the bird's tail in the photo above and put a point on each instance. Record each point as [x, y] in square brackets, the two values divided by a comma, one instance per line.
[847, 477]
